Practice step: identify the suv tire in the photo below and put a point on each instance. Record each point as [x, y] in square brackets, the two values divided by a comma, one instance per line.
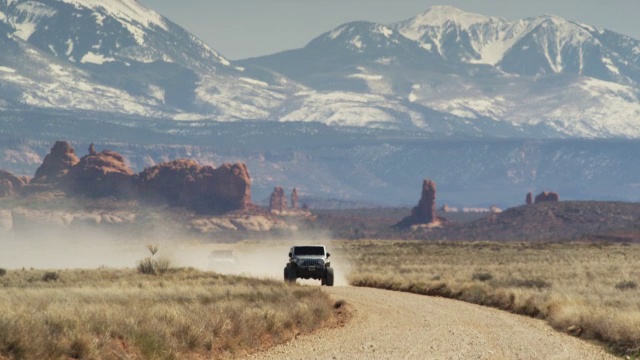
[328, 277]
[290, 274]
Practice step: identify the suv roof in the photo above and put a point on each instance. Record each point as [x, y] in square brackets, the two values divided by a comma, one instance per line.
[318, 250]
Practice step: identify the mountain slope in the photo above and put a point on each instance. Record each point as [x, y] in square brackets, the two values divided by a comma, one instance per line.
[122, 45]
[443, 72]
[568, 79]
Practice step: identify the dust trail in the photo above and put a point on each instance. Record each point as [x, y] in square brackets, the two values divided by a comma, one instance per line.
[90, 248]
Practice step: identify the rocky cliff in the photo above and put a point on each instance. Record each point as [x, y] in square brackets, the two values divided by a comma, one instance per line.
[184, 182]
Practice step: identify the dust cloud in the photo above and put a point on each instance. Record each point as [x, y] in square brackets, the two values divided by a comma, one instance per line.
[90, 248]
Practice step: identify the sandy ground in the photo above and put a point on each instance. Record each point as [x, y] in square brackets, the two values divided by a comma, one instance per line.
[394, 325]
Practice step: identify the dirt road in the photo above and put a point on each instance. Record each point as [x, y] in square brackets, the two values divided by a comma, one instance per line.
[394, 325]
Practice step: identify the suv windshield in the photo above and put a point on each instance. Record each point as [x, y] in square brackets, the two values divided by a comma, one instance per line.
[309, 250]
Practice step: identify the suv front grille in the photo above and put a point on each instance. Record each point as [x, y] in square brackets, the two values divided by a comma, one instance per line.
[312, 262]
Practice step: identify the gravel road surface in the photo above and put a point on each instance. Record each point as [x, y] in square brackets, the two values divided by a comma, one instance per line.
[395, 325]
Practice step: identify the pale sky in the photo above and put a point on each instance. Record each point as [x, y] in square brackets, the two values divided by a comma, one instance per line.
[240, 29]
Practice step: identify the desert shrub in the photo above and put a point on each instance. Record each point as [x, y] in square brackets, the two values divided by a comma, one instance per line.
[626, 285]
[3, 272]
[529, 283]
[481, 276]
[145, 266]
[151, 265]
[80, 348]
[50, 276]
[161, 265]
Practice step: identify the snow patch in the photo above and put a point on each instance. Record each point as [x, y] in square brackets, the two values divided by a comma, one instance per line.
[129, 11]
[28, 14]
[366, 77]
[386, 60]
[7, 69]
[254, 82]
[69, 47]
[53, 51]
[93, 58]
[609, 64]
[189, 117]
[441, 14]
[157, 93]
[335, 33]
[386, 31]
[99, 19]
[357, 43]
[427, 47]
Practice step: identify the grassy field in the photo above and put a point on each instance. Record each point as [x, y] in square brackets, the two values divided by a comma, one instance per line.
[585, 289]
[123, 314]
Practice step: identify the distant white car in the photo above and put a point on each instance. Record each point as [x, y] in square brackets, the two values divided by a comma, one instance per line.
[223, 261]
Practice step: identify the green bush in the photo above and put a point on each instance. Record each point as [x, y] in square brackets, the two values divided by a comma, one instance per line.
[3, 272]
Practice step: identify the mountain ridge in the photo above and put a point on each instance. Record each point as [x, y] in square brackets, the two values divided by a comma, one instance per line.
[573, 79]
[444, 71]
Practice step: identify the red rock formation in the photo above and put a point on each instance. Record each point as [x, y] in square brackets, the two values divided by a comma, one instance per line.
[201, 188]
[218, 190]
[529, 199]
[165, 182]
[11, 184]
[278, 201]
[547, 196]
[294, 199]
[6, 188]
[425, 212]
[178, 183]
[101, 174]
[56, 164]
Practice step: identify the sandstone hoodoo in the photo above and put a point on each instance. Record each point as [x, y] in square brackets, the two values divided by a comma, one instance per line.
[547, 196]
[278, 200]
[10, 184]
[529, 199]
[294, 199]
[56, 164]
[425, 212]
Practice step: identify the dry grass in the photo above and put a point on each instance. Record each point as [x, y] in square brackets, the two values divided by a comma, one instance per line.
[121, 314]
[587, 290]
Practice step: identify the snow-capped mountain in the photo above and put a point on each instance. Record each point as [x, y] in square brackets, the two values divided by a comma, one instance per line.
[158, 68]
[540, 73]
[445, 71]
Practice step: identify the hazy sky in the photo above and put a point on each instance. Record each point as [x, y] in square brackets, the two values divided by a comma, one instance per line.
[245, 28]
